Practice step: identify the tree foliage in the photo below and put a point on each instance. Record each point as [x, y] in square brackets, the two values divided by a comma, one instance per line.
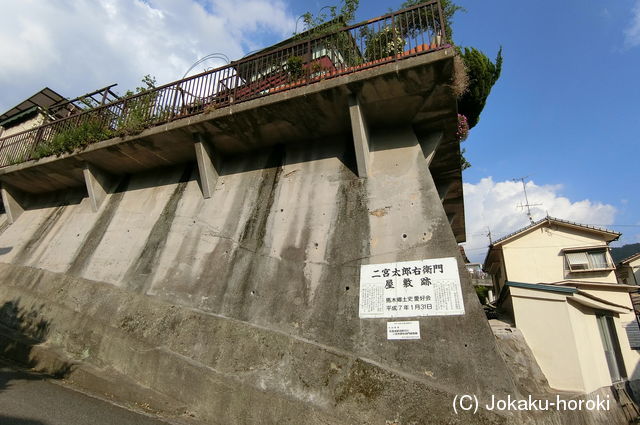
[335, 19]
[483, 74]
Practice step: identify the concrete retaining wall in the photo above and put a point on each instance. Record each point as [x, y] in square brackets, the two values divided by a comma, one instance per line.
[244, 306]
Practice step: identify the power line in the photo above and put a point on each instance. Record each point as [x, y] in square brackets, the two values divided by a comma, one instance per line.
[614, 225]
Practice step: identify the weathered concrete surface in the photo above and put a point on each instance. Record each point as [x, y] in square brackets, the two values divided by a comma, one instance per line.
[249, 298]
[244, 306]
[208, 165]
[226, 371]
[11, 203]
[360, 131]
[98, 183]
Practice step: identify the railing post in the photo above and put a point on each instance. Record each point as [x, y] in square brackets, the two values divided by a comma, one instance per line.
[442, 28]
[175, 100]
[123, 114]
[394, 36]
[34, 144]
[309, 58]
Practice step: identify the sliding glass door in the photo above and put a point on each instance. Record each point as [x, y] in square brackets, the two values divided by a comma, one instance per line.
[611, 345]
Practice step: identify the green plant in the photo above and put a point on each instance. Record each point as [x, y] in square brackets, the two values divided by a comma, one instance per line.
[139, 112]
[295, 67]
[383, 43]
[464, 163]
[482, 293]
[316, 67]
[75, 137]
[327, 23]
[482, 74]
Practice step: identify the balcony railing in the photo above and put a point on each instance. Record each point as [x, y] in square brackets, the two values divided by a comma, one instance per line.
[308, 60]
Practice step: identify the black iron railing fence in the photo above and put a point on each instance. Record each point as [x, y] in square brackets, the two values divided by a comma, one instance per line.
[310, 59]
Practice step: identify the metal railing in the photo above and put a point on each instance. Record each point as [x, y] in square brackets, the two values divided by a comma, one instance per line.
[311, 58]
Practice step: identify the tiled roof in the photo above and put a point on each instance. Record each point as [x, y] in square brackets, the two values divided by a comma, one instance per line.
[630, 258]
[554, 220]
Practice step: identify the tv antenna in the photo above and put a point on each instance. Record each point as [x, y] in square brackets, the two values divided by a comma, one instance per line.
[527, 205]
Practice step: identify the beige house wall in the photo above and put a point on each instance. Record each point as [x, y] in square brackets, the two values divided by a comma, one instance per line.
[635, 268]
[565, 339]
[630, 272]
[593, 362]
[631, 357]
[27, 125]
[544, 320]
[537, 256]
[498, 273]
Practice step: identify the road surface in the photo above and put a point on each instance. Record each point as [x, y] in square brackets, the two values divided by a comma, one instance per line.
[29, 399]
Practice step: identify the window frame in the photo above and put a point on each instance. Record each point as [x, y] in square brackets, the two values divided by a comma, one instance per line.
[590, 257]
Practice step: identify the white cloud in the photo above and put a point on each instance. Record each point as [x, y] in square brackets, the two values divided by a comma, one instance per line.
[75, 46]
[632, 33]
[494, 205]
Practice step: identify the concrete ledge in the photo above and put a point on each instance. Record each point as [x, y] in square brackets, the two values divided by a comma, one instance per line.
[11, 198]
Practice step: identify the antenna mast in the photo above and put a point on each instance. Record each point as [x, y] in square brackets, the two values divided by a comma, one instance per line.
[527, 205]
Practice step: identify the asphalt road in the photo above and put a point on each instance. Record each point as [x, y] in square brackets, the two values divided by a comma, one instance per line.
[28, 399]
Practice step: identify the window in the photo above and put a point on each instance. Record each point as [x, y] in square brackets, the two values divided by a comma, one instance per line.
[587, 260]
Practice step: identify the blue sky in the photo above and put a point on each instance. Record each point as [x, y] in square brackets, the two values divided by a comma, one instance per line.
[564, 111]
[562, 114]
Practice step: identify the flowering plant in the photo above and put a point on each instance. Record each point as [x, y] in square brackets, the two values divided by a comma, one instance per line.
[463, 128]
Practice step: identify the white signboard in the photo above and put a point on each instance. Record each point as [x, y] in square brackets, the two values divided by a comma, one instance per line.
[403, 330]
[411, 288]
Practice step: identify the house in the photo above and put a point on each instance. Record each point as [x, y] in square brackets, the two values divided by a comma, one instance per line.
[29, 113]
[19, 126]
[628, 273]
[628, 270]
[556, 281]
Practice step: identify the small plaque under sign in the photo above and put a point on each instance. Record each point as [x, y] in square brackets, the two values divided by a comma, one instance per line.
[403, 330]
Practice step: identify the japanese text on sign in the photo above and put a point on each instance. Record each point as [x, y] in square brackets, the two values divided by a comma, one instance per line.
[411, 288]
[403, 330]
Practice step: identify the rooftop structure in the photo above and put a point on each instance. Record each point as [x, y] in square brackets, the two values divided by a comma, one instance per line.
[283, 94]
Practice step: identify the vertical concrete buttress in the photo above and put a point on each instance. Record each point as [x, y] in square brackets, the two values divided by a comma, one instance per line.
[360, 135]
[12, 205]
[207, 165]
[98, 184]
[429, 145]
